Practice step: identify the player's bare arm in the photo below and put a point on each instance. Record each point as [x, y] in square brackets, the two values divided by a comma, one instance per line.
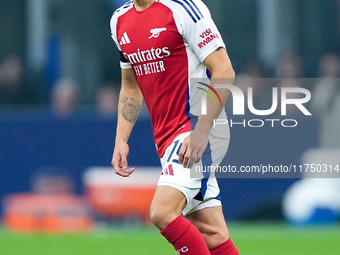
[194, 146]
[130, 102]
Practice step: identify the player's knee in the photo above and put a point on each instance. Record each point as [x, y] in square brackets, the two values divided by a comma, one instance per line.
[161, 218]
[155, 217]
[214, 240]
[213, 235]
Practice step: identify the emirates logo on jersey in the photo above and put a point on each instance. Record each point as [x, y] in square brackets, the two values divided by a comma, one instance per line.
[147, 55]
[146, 62]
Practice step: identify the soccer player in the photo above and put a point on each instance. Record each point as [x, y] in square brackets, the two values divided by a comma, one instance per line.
[163, 44]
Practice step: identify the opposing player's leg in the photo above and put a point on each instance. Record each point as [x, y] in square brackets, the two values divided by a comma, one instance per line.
[165, 213]
[211, 223]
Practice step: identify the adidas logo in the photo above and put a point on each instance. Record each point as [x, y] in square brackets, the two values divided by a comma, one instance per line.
[125, 39]
[168, 171]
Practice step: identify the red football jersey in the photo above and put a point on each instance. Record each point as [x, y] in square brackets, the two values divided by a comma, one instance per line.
[165, 46]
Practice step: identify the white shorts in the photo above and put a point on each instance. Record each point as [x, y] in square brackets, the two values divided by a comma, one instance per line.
[200, 192]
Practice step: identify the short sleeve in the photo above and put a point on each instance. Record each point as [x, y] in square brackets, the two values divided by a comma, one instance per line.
[124, 63]
[198, 28]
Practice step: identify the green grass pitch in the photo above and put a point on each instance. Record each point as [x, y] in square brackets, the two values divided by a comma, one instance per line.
[251, 239]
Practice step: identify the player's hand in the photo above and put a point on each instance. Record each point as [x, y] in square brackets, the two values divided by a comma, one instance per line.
[193, 148]
[119, 160]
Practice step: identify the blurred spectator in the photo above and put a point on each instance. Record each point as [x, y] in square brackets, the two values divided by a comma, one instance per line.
[107, 101]
[289, 69]
[329, 66]
[252, 77]
[326, 102]
[325, 89]
[15, 87]
[253, 69]
[51, 180]
[289, 66]
[64, 98]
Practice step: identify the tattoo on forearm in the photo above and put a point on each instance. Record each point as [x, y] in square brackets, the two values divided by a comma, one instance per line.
[131, 109]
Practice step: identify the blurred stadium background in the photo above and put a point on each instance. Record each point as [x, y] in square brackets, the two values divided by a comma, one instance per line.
[59, 83]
